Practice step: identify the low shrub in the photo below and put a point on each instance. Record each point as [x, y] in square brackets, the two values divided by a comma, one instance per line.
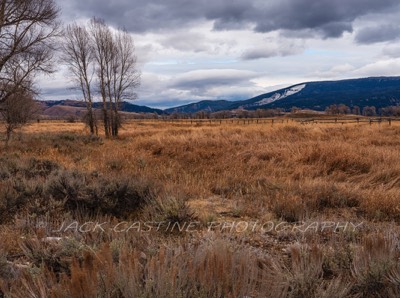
[115, 196]
[373, 265]
[169, 209]
[38, 186]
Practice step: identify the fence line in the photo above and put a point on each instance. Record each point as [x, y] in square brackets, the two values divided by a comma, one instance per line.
[248, 121]
[272, 121]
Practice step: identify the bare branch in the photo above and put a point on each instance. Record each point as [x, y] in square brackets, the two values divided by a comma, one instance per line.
[28, 29]
[78, 56]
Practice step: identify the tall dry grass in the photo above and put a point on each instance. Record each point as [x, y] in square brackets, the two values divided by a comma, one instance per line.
[55, 173]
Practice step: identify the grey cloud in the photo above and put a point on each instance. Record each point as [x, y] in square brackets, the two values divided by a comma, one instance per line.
[282, 50]
[136, 15]
[259, 53]
[379, 68]
[392, 51]
[58, 93]
[325, 18]
[187, 42]
[229, 15]
[255, 54]
[380, 33]
[335, 29]
[201, 80]
[226, 25]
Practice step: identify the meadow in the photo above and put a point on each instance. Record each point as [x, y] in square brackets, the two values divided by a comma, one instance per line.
[201, 210]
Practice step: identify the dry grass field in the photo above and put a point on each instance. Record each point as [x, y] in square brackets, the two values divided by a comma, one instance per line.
[201, 210]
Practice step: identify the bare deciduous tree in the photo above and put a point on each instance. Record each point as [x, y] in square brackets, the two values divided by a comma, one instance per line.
[369, 111]
[110, 55]
[117, 73]
[27, 32]
[125, 75]
[103, 55]
[78, 56]
[17, 110]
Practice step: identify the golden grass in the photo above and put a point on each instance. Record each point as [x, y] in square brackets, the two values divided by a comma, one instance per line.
[234, 172]
[310, 165]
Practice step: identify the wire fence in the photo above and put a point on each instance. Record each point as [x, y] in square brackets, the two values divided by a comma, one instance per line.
[249, 121]
[275, 120]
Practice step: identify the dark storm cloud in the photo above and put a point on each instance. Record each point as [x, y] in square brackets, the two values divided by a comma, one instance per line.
[381, 33]
[326, 18]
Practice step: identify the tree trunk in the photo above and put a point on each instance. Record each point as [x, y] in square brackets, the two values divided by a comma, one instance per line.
[106, 121]
[116, 120]
[2, 12]
[112, 119]
[91, 119]
[9, 131]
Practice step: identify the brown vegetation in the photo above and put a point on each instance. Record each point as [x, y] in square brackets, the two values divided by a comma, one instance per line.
[291, 174]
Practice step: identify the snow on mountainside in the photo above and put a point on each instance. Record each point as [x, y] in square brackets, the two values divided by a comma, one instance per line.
[278, 96]
[374, 91]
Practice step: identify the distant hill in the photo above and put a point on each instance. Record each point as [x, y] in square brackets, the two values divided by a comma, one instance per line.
[205, 105]
[65, 108]
[63, 111]
[132, 108]
[374, 91]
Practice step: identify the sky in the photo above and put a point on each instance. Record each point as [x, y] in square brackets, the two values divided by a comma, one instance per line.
[192, 50]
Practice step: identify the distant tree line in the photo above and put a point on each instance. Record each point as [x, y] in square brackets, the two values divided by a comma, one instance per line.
[390, 111]
[341, 109]
[259, 113]
[369, 111]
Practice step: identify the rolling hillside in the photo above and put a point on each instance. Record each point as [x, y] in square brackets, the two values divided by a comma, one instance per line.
[374, 91]
[205, 105]
[65, 108]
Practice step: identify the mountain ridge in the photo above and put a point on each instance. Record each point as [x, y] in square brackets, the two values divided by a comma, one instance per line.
[318, 95]
[315, 95]
[77, 107]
